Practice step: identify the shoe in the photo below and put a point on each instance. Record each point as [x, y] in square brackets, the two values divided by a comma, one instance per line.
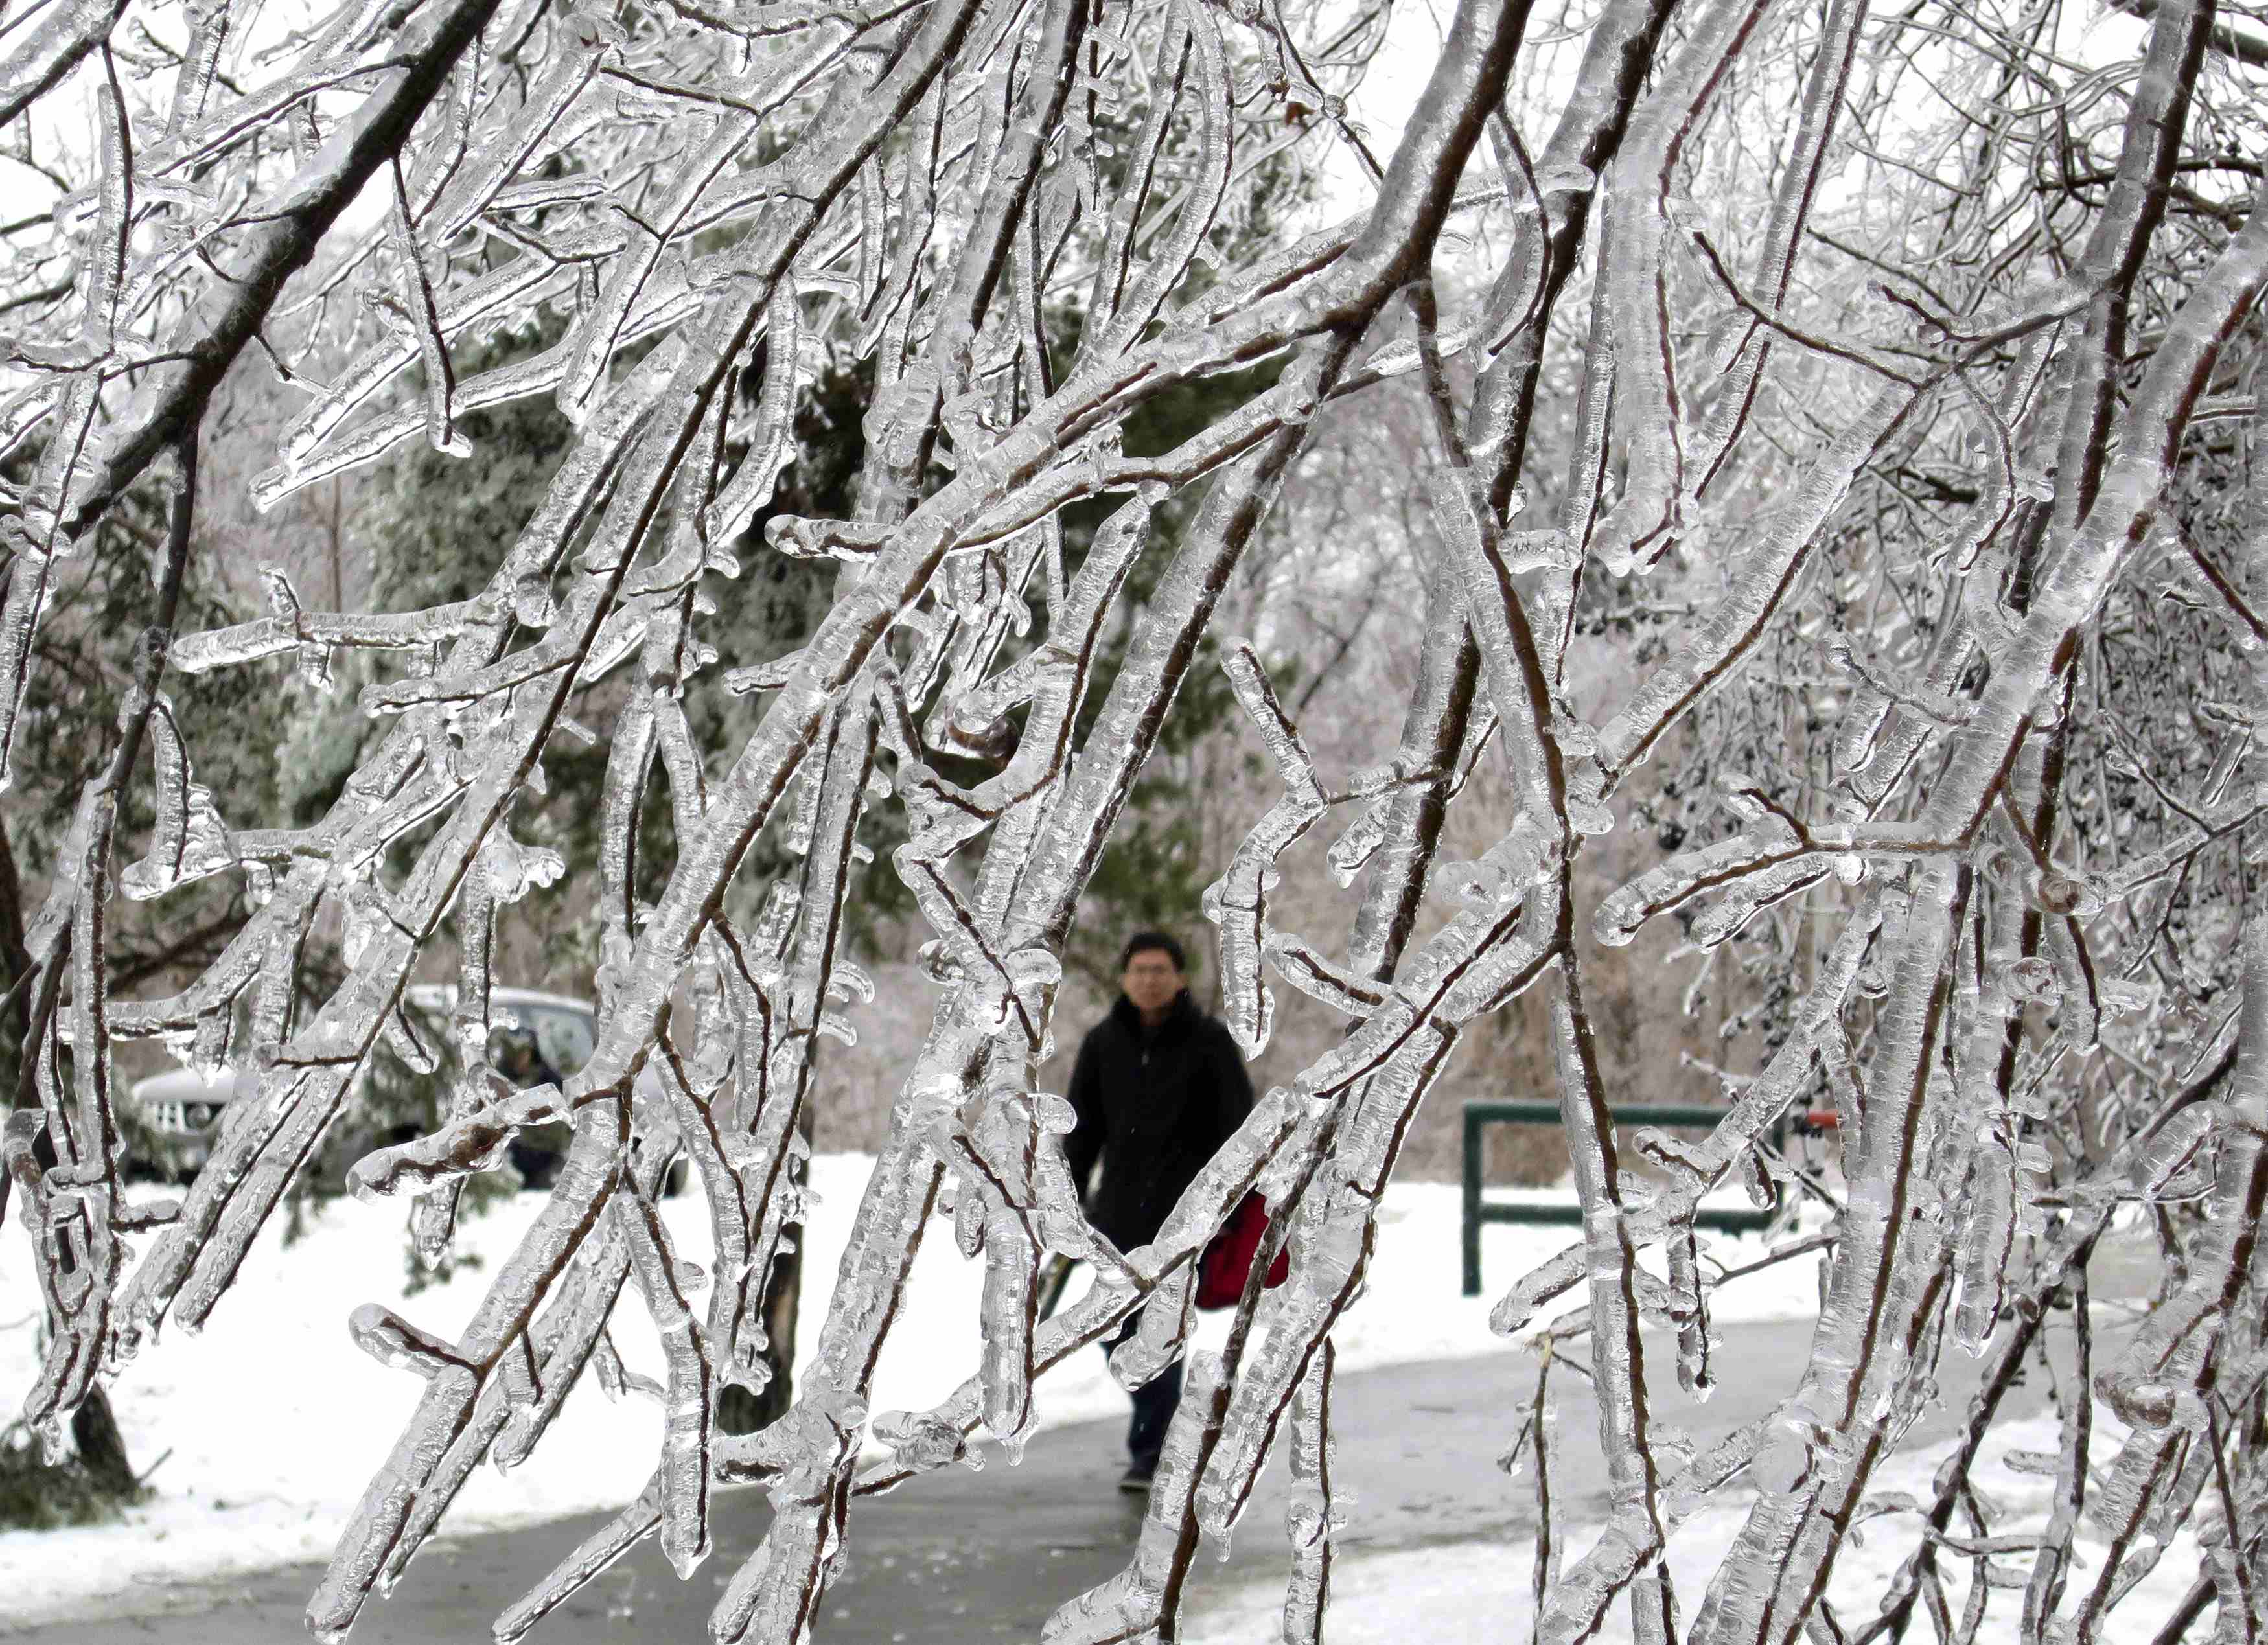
[1137, 1479]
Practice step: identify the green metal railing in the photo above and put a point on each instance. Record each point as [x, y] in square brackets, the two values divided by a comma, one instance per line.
[1478, 1115]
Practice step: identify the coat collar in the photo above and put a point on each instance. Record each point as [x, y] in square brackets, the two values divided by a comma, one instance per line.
[1179, 1015]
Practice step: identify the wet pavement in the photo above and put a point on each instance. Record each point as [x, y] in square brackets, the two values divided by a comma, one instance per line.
[964, 1556]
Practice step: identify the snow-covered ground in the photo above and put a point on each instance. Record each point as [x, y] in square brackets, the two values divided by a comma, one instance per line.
[263, 1430]
[1480, 1593]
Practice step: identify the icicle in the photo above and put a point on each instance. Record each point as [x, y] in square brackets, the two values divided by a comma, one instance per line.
[1313, 1513]
[189, 841]
[1238, 902]
[688, 1409]
[771, 441]
[421, 316]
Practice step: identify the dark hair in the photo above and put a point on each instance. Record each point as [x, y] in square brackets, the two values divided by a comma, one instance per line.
[1143, 941]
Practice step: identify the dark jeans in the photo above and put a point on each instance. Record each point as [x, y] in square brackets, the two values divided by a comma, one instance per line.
[1155, 1402]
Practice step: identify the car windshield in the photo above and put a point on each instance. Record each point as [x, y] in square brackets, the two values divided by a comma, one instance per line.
[563, 1034]
[562, 1037]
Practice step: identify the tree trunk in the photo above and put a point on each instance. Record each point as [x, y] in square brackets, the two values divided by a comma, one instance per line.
[739, 1410]
[101, 1448]
[14, 961]
[94, 1429]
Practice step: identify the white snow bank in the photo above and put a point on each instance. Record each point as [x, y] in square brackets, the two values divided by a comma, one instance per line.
[270, 1422]
[1480, 1593]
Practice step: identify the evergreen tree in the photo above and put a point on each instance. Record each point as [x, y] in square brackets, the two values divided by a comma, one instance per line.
[103, 606]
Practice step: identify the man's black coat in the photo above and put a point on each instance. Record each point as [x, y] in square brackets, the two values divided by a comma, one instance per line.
[1154, 1103]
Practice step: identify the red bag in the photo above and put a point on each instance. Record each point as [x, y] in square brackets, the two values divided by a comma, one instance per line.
[1227, 1261]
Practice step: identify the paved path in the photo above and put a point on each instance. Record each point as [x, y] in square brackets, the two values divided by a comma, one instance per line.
[962, 1557]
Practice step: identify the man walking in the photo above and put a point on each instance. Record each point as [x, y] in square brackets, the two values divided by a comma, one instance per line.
[1159, 1086]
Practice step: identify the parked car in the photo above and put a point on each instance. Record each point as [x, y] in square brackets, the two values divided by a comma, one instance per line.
[534, 1039]
[181, 1111]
